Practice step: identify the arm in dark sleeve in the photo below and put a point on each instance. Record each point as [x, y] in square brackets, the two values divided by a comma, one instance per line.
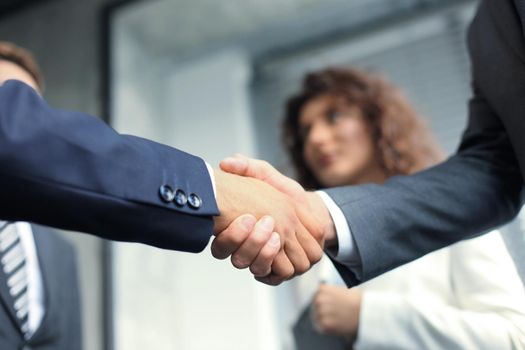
[409, 216]
[474, 191]
[71, 171]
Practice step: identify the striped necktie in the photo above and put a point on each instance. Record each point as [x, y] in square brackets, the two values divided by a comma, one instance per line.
[13, 262]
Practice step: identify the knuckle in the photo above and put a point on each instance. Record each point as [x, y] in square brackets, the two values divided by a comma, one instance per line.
[259, 239]
[302, 268]
[235, 239]
[277, 281]
[267, 254]
[228, 239]
[215, 249]
[268, 282]
[317, 233]
[258, 270]
[287, 273]
[218, 250]
[217, 254]
[238, 262]
[317, 255]
[271, 280]
[263, 263]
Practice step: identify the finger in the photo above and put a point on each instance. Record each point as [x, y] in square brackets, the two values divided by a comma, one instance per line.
[229, 240]
[318, 323]
[257, 168]
[310, 246]
[264, 171]
[262, 265]
[314, 224]
[282, 268]
[314, 316]
[323, 300]
[267, 280]
[238, 166]
[296, 253]
[247, 252]
[244, 166]
[271, 279]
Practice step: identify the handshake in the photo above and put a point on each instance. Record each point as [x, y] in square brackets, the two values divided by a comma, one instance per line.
[267, 221]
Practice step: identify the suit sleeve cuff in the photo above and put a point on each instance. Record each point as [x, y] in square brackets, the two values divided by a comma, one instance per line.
[346, 251]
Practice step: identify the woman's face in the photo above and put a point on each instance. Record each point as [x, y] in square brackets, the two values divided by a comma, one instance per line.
[338, 145]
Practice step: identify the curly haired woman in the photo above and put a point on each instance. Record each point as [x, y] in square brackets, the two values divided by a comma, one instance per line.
[348, 127]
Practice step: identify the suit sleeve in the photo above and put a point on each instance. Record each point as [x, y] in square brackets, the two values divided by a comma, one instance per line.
[487, 312]
[71, 171]
[474, 191]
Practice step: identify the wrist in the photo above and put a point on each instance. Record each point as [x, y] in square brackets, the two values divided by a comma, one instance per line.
[221, 221]
[329, 232]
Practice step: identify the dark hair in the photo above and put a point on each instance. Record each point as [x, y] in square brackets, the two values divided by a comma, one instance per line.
[402, 140]
[24, 59]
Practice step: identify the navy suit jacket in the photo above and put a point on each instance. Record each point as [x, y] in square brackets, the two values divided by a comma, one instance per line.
[61, 326]
[474, 191]
[70, 170]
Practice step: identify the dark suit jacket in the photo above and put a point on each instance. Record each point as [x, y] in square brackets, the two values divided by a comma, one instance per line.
[72, 171]
[472, 192]
[61, 326]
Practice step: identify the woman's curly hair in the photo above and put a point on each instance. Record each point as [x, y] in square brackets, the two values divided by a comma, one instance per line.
[403, 142]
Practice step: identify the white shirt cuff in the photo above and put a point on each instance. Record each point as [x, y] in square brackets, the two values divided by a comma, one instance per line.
[212, 178]
[346, 252]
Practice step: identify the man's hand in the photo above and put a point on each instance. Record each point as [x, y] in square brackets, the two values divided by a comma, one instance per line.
[250, 243]
[238, 195]
[335, 310]
[308, 206]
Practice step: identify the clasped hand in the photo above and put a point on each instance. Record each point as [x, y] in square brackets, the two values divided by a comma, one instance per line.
[268, 222]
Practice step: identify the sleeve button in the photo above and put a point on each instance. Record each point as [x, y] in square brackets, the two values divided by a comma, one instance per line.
[166, 193]
[180, 198]
[194, 201]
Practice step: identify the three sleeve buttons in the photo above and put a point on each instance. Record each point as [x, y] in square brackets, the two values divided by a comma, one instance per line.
[179, 197]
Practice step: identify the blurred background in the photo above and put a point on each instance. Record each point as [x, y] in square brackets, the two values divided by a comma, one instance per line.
[210, 77]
